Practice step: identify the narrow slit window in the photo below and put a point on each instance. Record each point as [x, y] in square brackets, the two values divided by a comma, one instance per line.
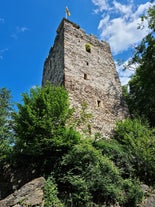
[85, 76]
[98, 103]
[87, 63]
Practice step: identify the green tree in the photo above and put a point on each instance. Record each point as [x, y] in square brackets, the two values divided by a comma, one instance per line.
[6, 133]
[116, 152]
[40, 126]
[88, 178]
[51, 193]
[141, 96]
[138, 141]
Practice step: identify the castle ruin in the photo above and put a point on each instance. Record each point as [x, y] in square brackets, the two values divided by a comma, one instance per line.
[84, 65]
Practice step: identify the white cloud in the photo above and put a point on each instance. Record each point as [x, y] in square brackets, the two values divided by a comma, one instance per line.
[104, 21]
[122, 34]
[126, 10]
[2, 51]
[119, 25]
[18, 31]
[126, 74]
[101, 5]
[22, 29]
[126, 70]
[142, 9]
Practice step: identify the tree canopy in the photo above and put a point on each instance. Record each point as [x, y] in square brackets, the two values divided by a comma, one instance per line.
[141, 95]
[84, 171]
[6, 133]
[40, 121]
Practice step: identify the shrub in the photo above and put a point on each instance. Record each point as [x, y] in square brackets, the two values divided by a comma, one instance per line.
[88, 47]
[115, 152]
[90, 178]
[50, 193]
[139, 143]
[133, 193]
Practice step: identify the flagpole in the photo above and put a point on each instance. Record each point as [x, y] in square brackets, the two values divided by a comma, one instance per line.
[67, 12]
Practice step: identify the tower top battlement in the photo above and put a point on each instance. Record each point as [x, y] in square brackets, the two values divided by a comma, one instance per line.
[76, 26]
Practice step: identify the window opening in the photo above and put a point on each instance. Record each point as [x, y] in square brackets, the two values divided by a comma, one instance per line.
[88, 47]
[85, 76]
[98, 103]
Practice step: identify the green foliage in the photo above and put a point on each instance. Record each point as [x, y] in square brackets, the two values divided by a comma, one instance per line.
[133, 193]
[131, 129]
[87, 172]
[79, 194]
[42, 136]
[115, 152]
[150, 17]
[6, 135]
[139, 143]
[88, 47]
[51, 193]
[141, 96]
[90, 178]
[82, 120]
[84, 167]
[40, 121]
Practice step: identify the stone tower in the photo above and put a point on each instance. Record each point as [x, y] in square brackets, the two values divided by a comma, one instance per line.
[84, 65]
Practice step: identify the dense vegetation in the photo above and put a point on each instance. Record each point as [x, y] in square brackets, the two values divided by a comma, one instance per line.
[5, 123]
[80, 171]
[140, 97]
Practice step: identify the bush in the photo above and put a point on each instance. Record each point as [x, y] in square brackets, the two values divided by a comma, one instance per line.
[88, 47]
[41, 118]
[51, 193]
[6, 131]
[133, 193]
[89, 178]
[139, 143]
[115, 152]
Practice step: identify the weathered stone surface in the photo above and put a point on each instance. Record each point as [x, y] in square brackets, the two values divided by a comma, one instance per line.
[31, 194]
[89, 77]
[11, 176]
[150, 200]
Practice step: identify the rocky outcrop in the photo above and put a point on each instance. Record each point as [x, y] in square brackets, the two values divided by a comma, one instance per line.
[16, 174]
[150, 200]
[31, 194]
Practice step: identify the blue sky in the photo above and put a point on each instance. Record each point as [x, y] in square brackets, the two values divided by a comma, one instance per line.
[28, 29]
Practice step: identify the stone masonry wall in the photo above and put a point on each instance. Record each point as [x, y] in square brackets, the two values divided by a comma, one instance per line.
[89, 77]
[54, 64]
